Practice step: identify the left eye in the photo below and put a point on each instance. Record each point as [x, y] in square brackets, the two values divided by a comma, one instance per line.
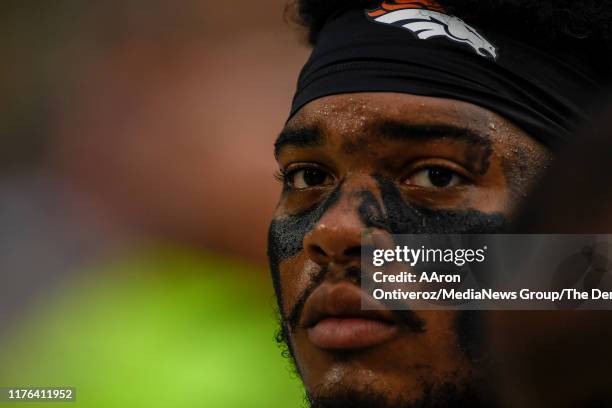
[434, 177]
[308, 177]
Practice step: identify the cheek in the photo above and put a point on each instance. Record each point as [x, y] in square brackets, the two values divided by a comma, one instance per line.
[490, 198]
[296, 202]
[443, 347]
[402, 217]
[295, 276]
[289, 227]
[441, 334]
[523, 169]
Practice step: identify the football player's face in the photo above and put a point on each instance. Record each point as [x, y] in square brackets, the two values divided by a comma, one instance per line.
[395, 163]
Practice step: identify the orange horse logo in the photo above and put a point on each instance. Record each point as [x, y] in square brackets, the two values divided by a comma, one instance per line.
[426, 19]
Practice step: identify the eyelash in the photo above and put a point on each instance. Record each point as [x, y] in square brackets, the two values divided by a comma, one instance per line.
[281, 175]
[458, 170]
[284, 175]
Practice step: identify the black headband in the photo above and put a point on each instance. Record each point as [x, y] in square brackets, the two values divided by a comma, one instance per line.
[424, 52]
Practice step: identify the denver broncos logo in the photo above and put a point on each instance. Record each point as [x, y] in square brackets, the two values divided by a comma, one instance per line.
[426, 19]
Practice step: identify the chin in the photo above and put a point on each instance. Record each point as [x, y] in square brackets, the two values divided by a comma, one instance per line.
[352, 380]
[358, 393]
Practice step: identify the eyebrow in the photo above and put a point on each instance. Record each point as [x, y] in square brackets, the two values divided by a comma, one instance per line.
[298, 137]
[312, 136]
[394, 130]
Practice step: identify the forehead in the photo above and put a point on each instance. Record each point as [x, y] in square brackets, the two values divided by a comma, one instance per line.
[351, 115]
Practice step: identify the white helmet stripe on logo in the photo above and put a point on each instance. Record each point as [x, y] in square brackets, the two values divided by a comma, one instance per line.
[425, 24]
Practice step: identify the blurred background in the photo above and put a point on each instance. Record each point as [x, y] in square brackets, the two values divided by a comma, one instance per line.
[136, 187]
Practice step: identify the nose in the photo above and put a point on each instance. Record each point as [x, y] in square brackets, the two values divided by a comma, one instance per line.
[336, 238]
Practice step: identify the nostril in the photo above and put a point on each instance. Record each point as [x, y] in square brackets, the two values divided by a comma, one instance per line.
[317, 250]
[353, 252]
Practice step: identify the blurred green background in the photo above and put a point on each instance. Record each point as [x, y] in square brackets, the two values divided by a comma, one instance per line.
[136, 186]
[152, 332]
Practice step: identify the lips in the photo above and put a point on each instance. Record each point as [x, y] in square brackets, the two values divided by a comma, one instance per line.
[334, 319]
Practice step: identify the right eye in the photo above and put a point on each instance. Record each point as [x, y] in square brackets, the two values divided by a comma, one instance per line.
[308, 177]
[435, 177]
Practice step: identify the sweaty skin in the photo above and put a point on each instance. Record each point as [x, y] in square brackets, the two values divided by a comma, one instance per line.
[390, 163]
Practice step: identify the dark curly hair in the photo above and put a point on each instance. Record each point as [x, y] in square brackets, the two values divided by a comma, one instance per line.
[579, 28]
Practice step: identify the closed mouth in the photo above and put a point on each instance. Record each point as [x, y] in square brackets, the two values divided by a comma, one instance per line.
[334, 318]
